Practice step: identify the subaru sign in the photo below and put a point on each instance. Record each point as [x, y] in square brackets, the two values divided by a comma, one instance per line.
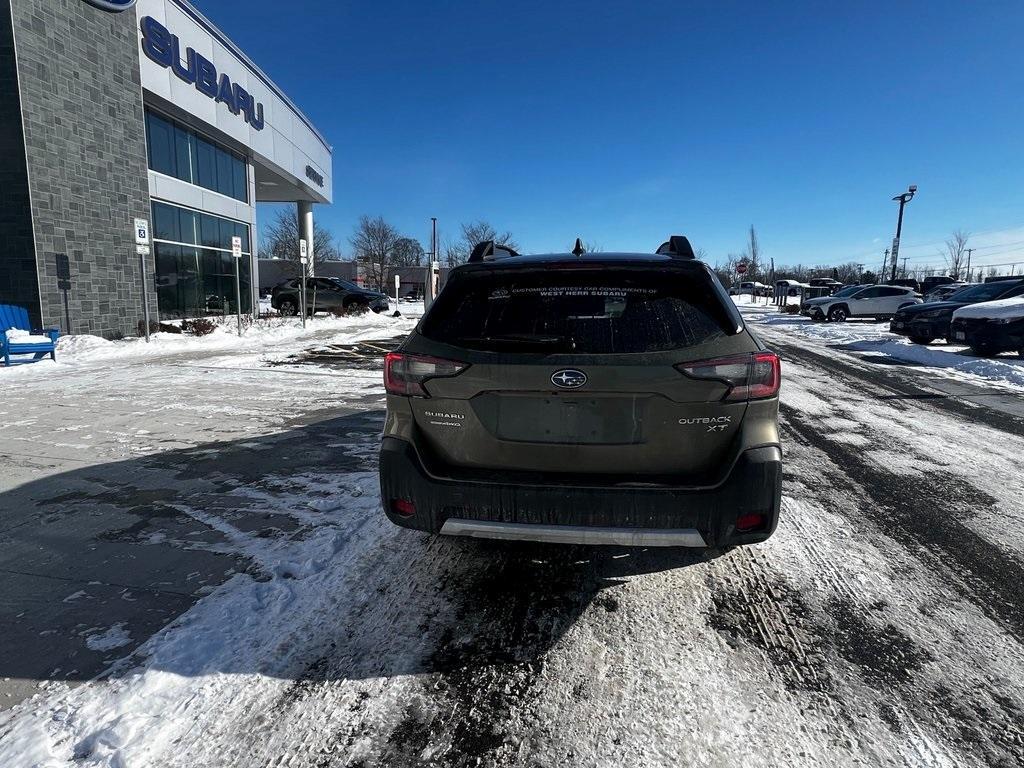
[164, 48]
[112, 5]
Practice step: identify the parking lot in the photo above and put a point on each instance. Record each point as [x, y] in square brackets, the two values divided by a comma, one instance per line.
[203, 578]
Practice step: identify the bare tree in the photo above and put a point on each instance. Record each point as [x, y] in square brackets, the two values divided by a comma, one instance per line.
[955, 252]
[281, 241]
[408, 253]
[458, 251]
[374, 245]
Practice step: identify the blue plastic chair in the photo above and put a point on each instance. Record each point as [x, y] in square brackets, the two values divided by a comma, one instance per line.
[17, 317]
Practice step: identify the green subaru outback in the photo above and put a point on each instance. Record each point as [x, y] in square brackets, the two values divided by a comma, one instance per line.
[594, 398]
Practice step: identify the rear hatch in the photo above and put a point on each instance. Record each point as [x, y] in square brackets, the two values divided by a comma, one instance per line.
[583, 372]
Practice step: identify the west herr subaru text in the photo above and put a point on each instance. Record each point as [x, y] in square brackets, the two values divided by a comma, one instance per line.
[611, 398]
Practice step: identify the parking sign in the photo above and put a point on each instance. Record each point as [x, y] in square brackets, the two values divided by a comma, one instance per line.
[236, 247]
[142, 232]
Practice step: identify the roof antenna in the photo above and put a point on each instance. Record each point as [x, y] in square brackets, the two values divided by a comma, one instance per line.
[578, 250]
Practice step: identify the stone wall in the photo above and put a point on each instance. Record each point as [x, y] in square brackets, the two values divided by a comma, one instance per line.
[84, 131]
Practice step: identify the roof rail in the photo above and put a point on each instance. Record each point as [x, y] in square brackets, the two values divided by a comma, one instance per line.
[678, 247]
[488, 250]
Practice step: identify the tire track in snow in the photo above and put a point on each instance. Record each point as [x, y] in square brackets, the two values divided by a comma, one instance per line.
[902, 506]
[949, 713]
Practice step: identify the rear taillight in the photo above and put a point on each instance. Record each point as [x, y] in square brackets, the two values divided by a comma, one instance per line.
[750, 377]
[406, 374]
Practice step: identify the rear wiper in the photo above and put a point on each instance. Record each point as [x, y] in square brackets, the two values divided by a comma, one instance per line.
[537, 339]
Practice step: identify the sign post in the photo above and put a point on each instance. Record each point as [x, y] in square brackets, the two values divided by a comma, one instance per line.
[303, 261]
[64, 285]
[142, 249]
[398, 285]
[236, 251]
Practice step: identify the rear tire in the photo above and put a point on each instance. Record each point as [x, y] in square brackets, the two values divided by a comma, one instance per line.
[838, 314]
[983, 351]
[921, 339]
[287, 308]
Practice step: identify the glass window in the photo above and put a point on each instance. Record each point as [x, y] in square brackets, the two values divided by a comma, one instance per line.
[206, 163]
[177, 281]
[177, 151]
[587, 313]
[165, 223]
[225, 173]
[160, 136]
[241, 185]
[185, 151]
[189, 225]
[211, 232]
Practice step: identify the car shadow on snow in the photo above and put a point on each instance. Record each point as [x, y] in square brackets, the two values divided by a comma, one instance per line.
[97, 560]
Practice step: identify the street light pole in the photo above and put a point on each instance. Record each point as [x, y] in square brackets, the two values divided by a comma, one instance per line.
[903, 199]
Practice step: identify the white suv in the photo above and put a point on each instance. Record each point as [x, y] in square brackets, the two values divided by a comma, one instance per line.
[878, 301]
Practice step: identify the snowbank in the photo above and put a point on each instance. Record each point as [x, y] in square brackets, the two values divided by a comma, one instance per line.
[952, 360]
[262, 336]
[1010, 309]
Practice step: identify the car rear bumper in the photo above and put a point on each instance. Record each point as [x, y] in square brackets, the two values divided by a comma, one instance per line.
[935, 329]
[630, 516]
[1001, 338]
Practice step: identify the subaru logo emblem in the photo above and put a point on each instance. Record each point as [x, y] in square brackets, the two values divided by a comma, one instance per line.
[112, 5]
[569, 378]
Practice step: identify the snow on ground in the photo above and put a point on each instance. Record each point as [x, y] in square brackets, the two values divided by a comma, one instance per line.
[881, 625]
[266, 335]
[868, 336]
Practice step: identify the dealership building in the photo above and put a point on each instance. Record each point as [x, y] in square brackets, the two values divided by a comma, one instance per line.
[113, 111]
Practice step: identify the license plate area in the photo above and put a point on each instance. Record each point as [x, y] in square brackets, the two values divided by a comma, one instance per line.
[960, 335]
[571, 420]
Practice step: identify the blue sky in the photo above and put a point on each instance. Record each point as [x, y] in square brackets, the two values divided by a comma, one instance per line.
[625, 122]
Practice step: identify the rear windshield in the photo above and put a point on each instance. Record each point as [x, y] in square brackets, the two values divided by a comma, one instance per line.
[578, 312]
[985, 291]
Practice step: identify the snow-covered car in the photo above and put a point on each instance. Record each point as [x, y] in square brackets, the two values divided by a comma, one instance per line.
[752, 289]
[877, 301]
[930, 321]
[991, 327]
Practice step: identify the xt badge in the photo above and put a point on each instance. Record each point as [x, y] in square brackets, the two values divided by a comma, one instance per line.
[713, 423]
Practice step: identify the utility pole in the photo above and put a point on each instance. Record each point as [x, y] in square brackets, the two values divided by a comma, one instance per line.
[969, 252]
[433, 238]
[903, 199]
[904, 266]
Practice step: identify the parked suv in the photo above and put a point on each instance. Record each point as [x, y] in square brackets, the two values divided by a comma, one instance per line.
[596, 398]
[325, 293]
[991, 327]
[927, 322]
[877, 301]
